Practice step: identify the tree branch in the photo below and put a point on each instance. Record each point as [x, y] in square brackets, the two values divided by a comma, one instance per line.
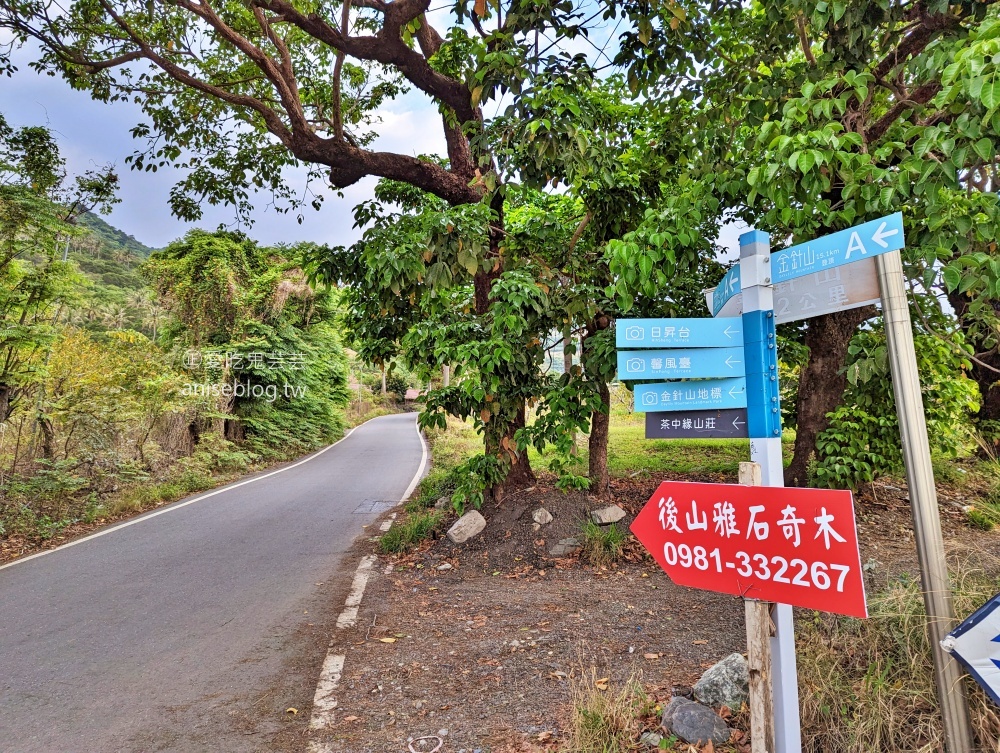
[800, 22]
[271, 118]
[338, 67]
[919, 97]
[386, 47]
[927, 28]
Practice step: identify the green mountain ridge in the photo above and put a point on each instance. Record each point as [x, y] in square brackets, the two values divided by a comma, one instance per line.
[112, 238]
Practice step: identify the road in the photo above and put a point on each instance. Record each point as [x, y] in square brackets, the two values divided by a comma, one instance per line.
[195, 627]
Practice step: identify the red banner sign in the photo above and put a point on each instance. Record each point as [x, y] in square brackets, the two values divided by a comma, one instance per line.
[787, 545]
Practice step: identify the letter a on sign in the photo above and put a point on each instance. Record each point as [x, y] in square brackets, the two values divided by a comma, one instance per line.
[855, 244]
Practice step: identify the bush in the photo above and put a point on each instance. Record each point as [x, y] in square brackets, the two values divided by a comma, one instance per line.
[868, 685]
[862, 441]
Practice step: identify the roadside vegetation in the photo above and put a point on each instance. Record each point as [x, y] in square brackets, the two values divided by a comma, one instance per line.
[868, 684]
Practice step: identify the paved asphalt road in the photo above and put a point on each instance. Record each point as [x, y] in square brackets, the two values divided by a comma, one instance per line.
[169, 634]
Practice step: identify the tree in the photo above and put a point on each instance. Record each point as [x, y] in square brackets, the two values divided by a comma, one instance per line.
[814, 116]
[36, 216]
[241, 91]
[256, 336]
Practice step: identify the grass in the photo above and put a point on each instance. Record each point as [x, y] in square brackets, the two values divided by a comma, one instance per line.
[449, 448]
[603, 719]
[602, 545]
[409, 532]
[867, 685]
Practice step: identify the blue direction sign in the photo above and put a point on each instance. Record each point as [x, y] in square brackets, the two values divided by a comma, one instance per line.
[976, 643]
[698, 395]
[674, 333]
[859, 242]
[681, 363]
[726, 289]
[698, 424]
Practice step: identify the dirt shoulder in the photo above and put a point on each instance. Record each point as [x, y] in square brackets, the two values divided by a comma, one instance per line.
[482, 644]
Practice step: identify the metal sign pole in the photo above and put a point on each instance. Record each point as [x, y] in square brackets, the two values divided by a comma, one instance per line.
[923, 496]
[765, 449]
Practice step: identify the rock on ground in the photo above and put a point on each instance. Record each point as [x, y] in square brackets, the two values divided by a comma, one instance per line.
[726, 683]
[469, 525]
[541, 516]
[694, 723]
[565, 547]
[608, 515]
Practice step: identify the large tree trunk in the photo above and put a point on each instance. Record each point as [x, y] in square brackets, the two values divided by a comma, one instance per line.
[520, 474]
[987, 379]
[598, 444]
[821, 383]
[600, 420]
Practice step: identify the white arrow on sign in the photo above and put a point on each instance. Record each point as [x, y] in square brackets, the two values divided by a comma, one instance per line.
[730, 365]
[736, 390]
[737, 423]
[879, 235]
[728, 332]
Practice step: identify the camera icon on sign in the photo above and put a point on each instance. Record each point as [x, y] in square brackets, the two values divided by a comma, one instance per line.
[635, 365]
[649, 398]
[634, 332]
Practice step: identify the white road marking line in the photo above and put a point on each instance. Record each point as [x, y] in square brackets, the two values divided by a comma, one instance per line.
[350, 614]
[178, 506]
[324, 701]
[333, 667]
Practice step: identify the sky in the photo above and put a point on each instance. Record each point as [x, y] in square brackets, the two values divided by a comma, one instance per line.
[93, 134]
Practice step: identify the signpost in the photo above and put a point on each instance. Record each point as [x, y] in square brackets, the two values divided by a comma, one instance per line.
[727, 423]
[742, 553]
[864, 241]
[680, 363]
[976, 643]
[793, 546]
[837, 289]
[679, 333]
[703, 394]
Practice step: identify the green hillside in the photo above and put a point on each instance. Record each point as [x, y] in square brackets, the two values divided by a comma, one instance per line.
[112, 238]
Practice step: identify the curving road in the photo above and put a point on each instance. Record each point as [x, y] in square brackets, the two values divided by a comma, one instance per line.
[194, 628]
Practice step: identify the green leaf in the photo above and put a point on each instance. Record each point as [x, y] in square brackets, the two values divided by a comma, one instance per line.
[990, 94]
[952, 278]
[984, 148]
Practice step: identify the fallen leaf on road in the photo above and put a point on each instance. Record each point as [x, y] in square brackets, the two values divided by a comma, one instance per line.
[699, 643]
[651, 656]
[602, 684]
[544, 736]
[291, 710]
[351, 718]
[387, 640]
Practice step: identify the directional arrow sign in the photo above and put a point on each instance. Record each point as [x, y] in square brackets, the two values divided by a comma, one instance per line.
[859, 242]
[695, 363]
[791, 546]
[726, 289]
[704, 394]
[976, 643]
[698, 424]
[836, 289]
[672, 333]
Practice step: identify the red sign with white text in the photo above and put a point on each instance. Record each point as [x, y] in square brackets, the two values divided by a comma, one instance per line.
[787, 545]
